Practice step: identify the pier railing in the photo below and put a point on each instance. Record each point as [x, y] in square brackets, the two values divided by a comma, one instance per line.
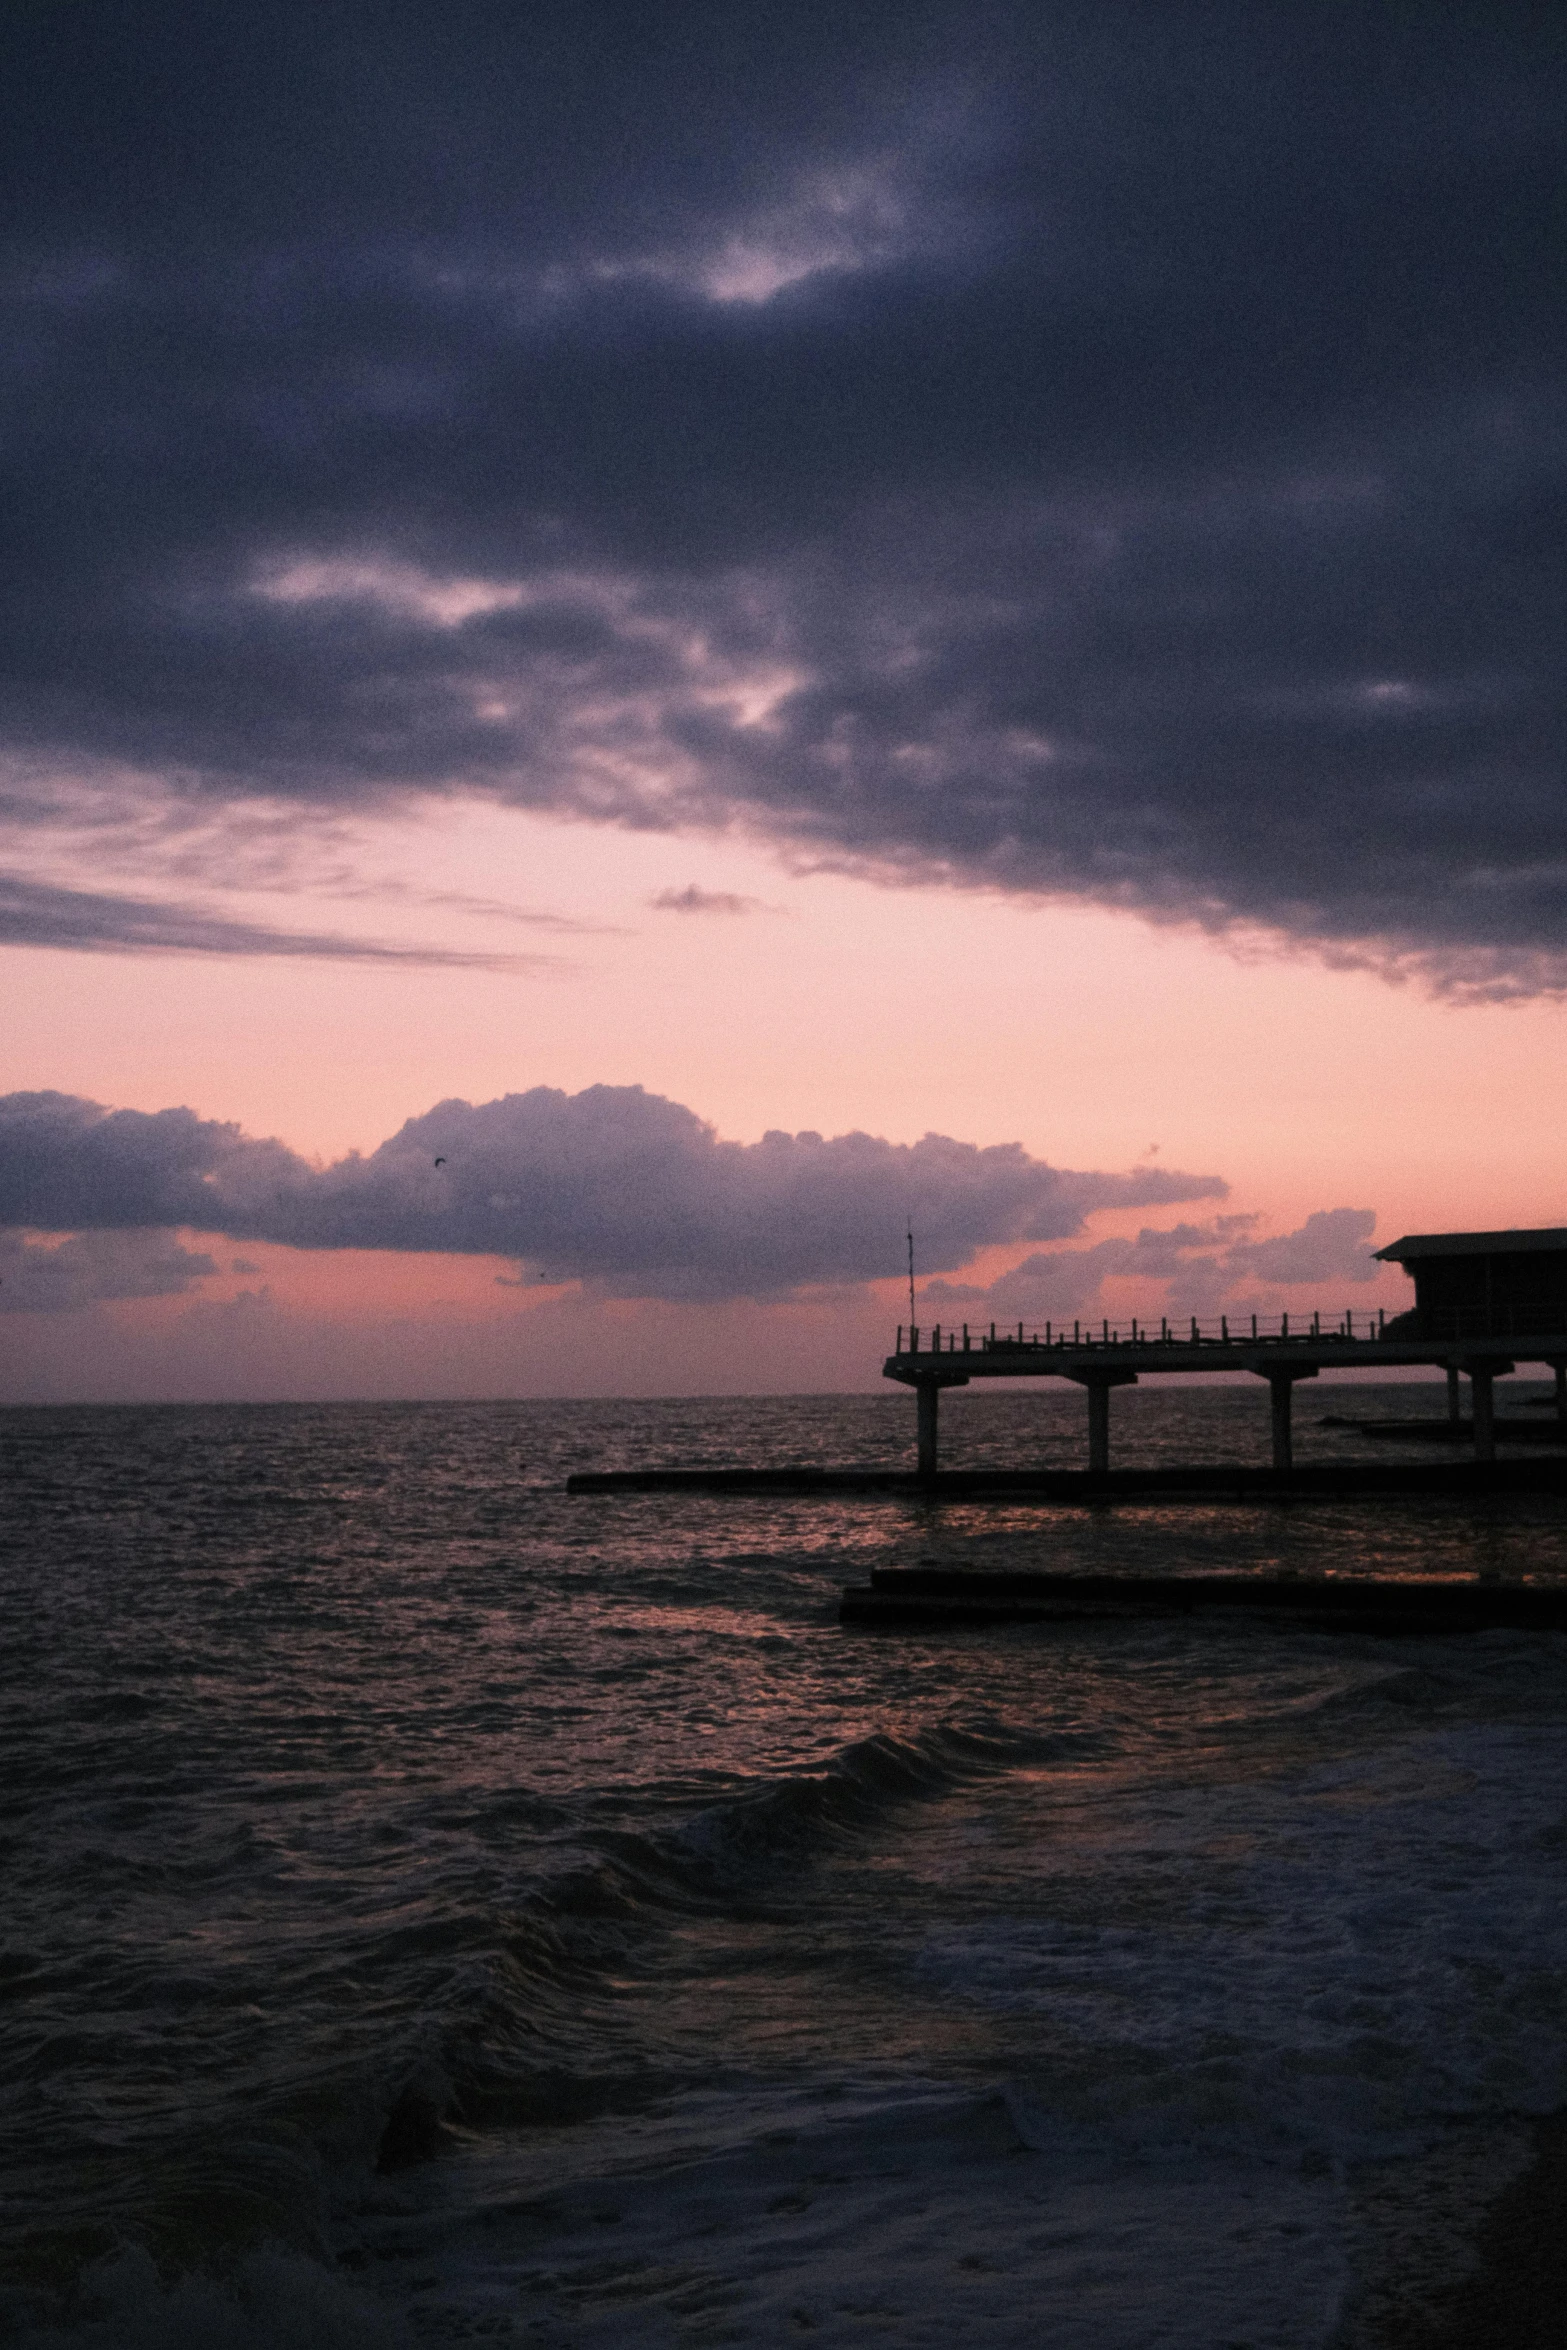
[1056, 1338]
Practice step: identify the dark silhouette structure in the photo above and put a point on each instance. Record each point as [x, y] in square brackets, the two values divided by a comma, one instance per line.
[1493, 1298]
[1484, 1301]
[1483, 1284]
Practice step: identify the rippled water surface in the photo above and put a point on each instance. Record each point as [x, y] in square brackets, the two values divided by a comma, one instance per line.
[439, 1908]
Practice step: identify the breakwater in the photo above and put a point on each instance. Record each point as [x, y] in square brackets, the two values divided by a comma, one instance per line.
[926, 1596]
[1198, 1483]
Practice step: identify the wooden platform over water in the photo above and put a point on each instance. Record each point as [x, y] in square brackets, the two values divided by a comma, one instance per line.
[1309, 1481]
[919, 1598]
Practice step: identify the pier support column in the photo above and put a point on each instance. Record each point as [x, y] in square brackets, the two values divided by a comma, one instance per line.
[1484, 1412]
[1098, 1427]
[1454, 1407]
[1484, 1406]
[929, 1394]
[1561, 1391]
[1099, 1384]
[1280, 1383]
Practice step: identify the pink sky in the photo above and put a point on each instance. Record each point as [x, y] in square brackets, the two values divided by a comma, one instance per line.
[827, 1002]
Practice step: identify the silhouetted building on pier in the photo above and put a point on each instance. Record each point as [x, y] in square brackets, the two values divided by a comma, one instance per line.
[1483, 1284]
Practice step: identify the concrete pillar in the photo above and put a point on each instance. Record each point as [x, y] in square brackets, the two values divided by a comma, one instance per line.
[1099, 1384]
[929, 1394]
[1454, 1408]
[1480, 1377]
[1098, 1426]
[1280, 1381]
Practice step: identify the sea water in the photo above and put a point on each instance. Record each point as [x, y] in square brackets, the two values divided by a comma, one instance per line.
[439, 1908]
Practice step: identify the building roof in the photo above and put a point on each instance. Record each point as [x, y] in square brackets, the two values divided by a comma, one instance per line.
[1552, 1237]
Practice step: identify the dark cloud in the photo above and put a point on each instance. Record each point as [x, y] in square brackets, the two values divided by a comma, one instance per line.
[41, 914]
[1205, 1266]
[1113, 451]
[615, 1187]
[692, 900]
[91, 1268]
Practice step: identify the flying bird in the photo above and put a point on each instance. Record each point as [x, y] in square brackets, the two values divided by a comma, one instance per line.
[440, 1162]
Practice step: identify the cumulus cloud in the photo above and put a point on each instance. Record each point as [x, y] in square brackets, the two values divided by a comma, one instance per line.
[91, 1268]
[1113, 452]
[1204, 1267]
[615, 1187]
[1332, 1245]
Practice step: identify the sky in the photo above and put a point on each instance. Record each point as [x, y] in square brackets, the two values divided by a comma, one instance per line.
[639, 647]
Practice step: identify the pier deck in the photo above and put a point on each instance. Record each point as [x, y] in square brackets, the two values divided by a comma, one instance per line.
[1113, 1358]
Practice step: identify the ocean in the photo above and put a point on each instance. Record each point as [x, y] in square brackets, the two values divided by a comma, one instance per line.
[441, 1909]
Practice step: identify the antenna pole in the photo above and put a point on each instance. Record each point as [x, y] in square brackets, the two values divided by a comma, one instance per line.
[911, 1272]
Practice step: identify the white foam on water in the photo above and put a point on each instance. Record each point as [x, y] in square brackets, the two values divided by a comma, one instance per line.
[1360, 1952]
[925, 2222]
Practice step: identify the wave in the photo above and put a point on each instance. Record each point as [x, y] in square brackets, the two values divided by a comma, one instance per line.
[727, 1848]
[538, 2012]
[858, 1787]
[559, 2036]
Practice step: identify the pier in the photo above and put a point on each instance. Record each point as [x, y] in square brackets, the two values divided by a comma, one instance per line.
[1111, 1356]
[1484, 1303]
[1100, 1359]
